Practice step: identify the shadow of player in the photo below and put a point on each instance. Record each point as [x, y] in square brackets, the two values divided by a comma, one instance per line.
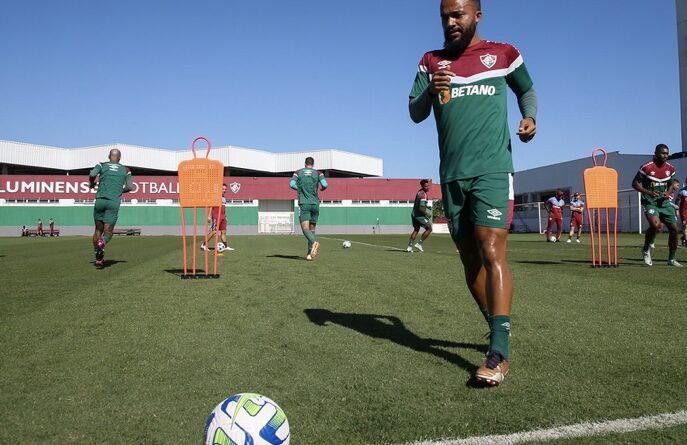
[108, 263]
[286, 257]
[392, 328]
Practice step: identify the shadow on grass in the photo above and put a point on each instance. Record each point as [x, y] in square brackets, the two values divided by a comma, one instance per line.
[392, 328]
[286, 257]
[189, 271]
[539, 262]
[108, 263]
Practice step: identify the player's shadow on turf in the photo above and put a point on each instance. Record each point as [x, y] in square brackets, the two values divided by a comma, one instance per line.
[108, 263]
[539, 262]
[392, 328]
[286, 257]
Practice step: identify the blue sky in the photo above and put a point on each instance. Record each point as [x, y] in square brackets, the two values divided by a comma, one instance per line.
[306, 74]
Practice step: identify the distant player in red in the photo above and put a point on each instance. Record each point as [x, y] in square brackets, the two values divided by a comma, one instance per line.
[51, 223]
[554, 205]
[681, 202]
[576, 212]
[39, 229]
[218, 221]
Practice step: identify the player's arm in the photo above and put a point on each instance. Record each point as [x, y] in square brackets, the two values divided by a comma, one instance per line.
[637, 185]
[129, 183]
[674, 185]
[424, 91]
[527, 102]
[93, 174]
[323, 182]
[520, 82]
[294, 182]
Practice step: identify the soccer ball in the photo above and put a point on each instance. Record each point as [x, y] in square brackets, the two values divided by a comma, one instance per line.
[221, 247]
[247, 419]
[552, 238]
[346, 244]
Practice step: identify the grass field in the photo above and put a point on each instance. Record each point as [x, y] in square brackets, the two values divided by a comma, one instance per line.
[364, 346]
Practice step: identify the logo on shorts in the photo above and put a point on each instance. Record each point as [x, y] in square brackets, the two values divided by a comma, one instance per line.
[651, 211]
[494, 214]
[488, 60]
[235, 187]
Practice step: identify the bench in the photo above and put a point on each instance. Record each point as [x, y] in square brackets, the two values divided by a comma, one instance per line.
[34, 232]
[127, 232]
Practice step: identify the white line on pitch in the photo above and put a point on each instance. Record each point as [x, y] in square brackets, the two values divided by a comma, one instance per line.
[364, 244]
[585, 429]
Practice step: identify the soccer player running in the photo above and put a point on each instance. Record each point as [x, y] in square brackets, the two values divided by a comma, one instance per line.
[465, 85]
[306, 182]
[576, 216]
[656, 181]
[39, 227]
[218, 220]
[554, 205]
[113, 180]
[421, 217]
[681, 202]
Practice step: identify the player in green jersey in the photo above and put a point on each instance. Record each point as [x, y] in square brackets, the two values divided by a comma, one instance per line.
[421, 217]
[465, 85]
[656, 181]
[306, 182]
[113, 180]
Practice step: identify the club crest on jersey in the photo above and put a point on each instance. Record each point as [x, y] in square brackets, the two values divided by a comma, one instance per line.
[488, 60]
[235, 187]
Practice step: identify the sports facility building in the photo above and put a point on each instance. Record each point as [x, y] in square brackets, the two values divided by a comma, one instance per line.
[536, 185]
[44, 182]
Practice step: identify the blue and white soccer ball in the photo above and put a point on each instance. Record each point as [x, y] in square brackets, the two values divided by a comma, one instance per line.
[221, 247]
[346, 244]
[247, 419]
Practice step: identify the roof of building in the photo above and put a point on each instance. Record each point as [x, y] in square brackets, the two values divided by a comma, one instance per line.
[237, 160]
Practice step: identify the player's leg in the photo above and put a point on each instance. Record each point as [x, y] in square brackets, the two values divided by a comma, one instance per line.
[314, 216]
[99, 216]
[413, 234]
[572, 229]
[492, 213]
[428, 231]
[456, 209]
[98, 244]
[650, 235]
[684, 230]
[669, 218]
[549, 227]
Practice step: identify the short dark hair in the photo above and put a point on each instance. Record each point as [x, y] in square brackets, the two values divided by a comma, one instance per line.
[660, 147]
[309, 161]
[423, 182]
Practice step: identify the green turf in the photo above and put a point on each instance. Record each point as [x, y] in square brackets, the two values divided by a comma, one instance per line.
[369, 345]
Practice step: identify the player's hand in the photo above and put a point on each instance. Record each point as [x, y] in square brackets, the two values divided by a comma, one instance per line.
[527, 129]
[441, 80]
[652, 193]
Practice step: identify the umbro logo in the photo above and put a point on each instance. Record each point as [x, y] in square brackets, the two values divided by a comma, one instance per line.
[114, 167]
[494, 214]
[443, 64]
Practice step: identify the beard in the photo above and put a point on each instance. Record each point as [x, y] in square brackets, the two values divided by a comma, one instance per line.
[456, 47]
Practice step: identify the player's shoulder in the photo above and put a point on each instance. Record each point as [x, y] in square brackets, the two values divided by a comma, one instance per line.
[647, 166]
[507, 50]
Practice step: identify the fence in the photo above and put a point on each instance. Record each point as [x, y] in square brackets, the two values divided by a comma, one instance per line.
[532, 217]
